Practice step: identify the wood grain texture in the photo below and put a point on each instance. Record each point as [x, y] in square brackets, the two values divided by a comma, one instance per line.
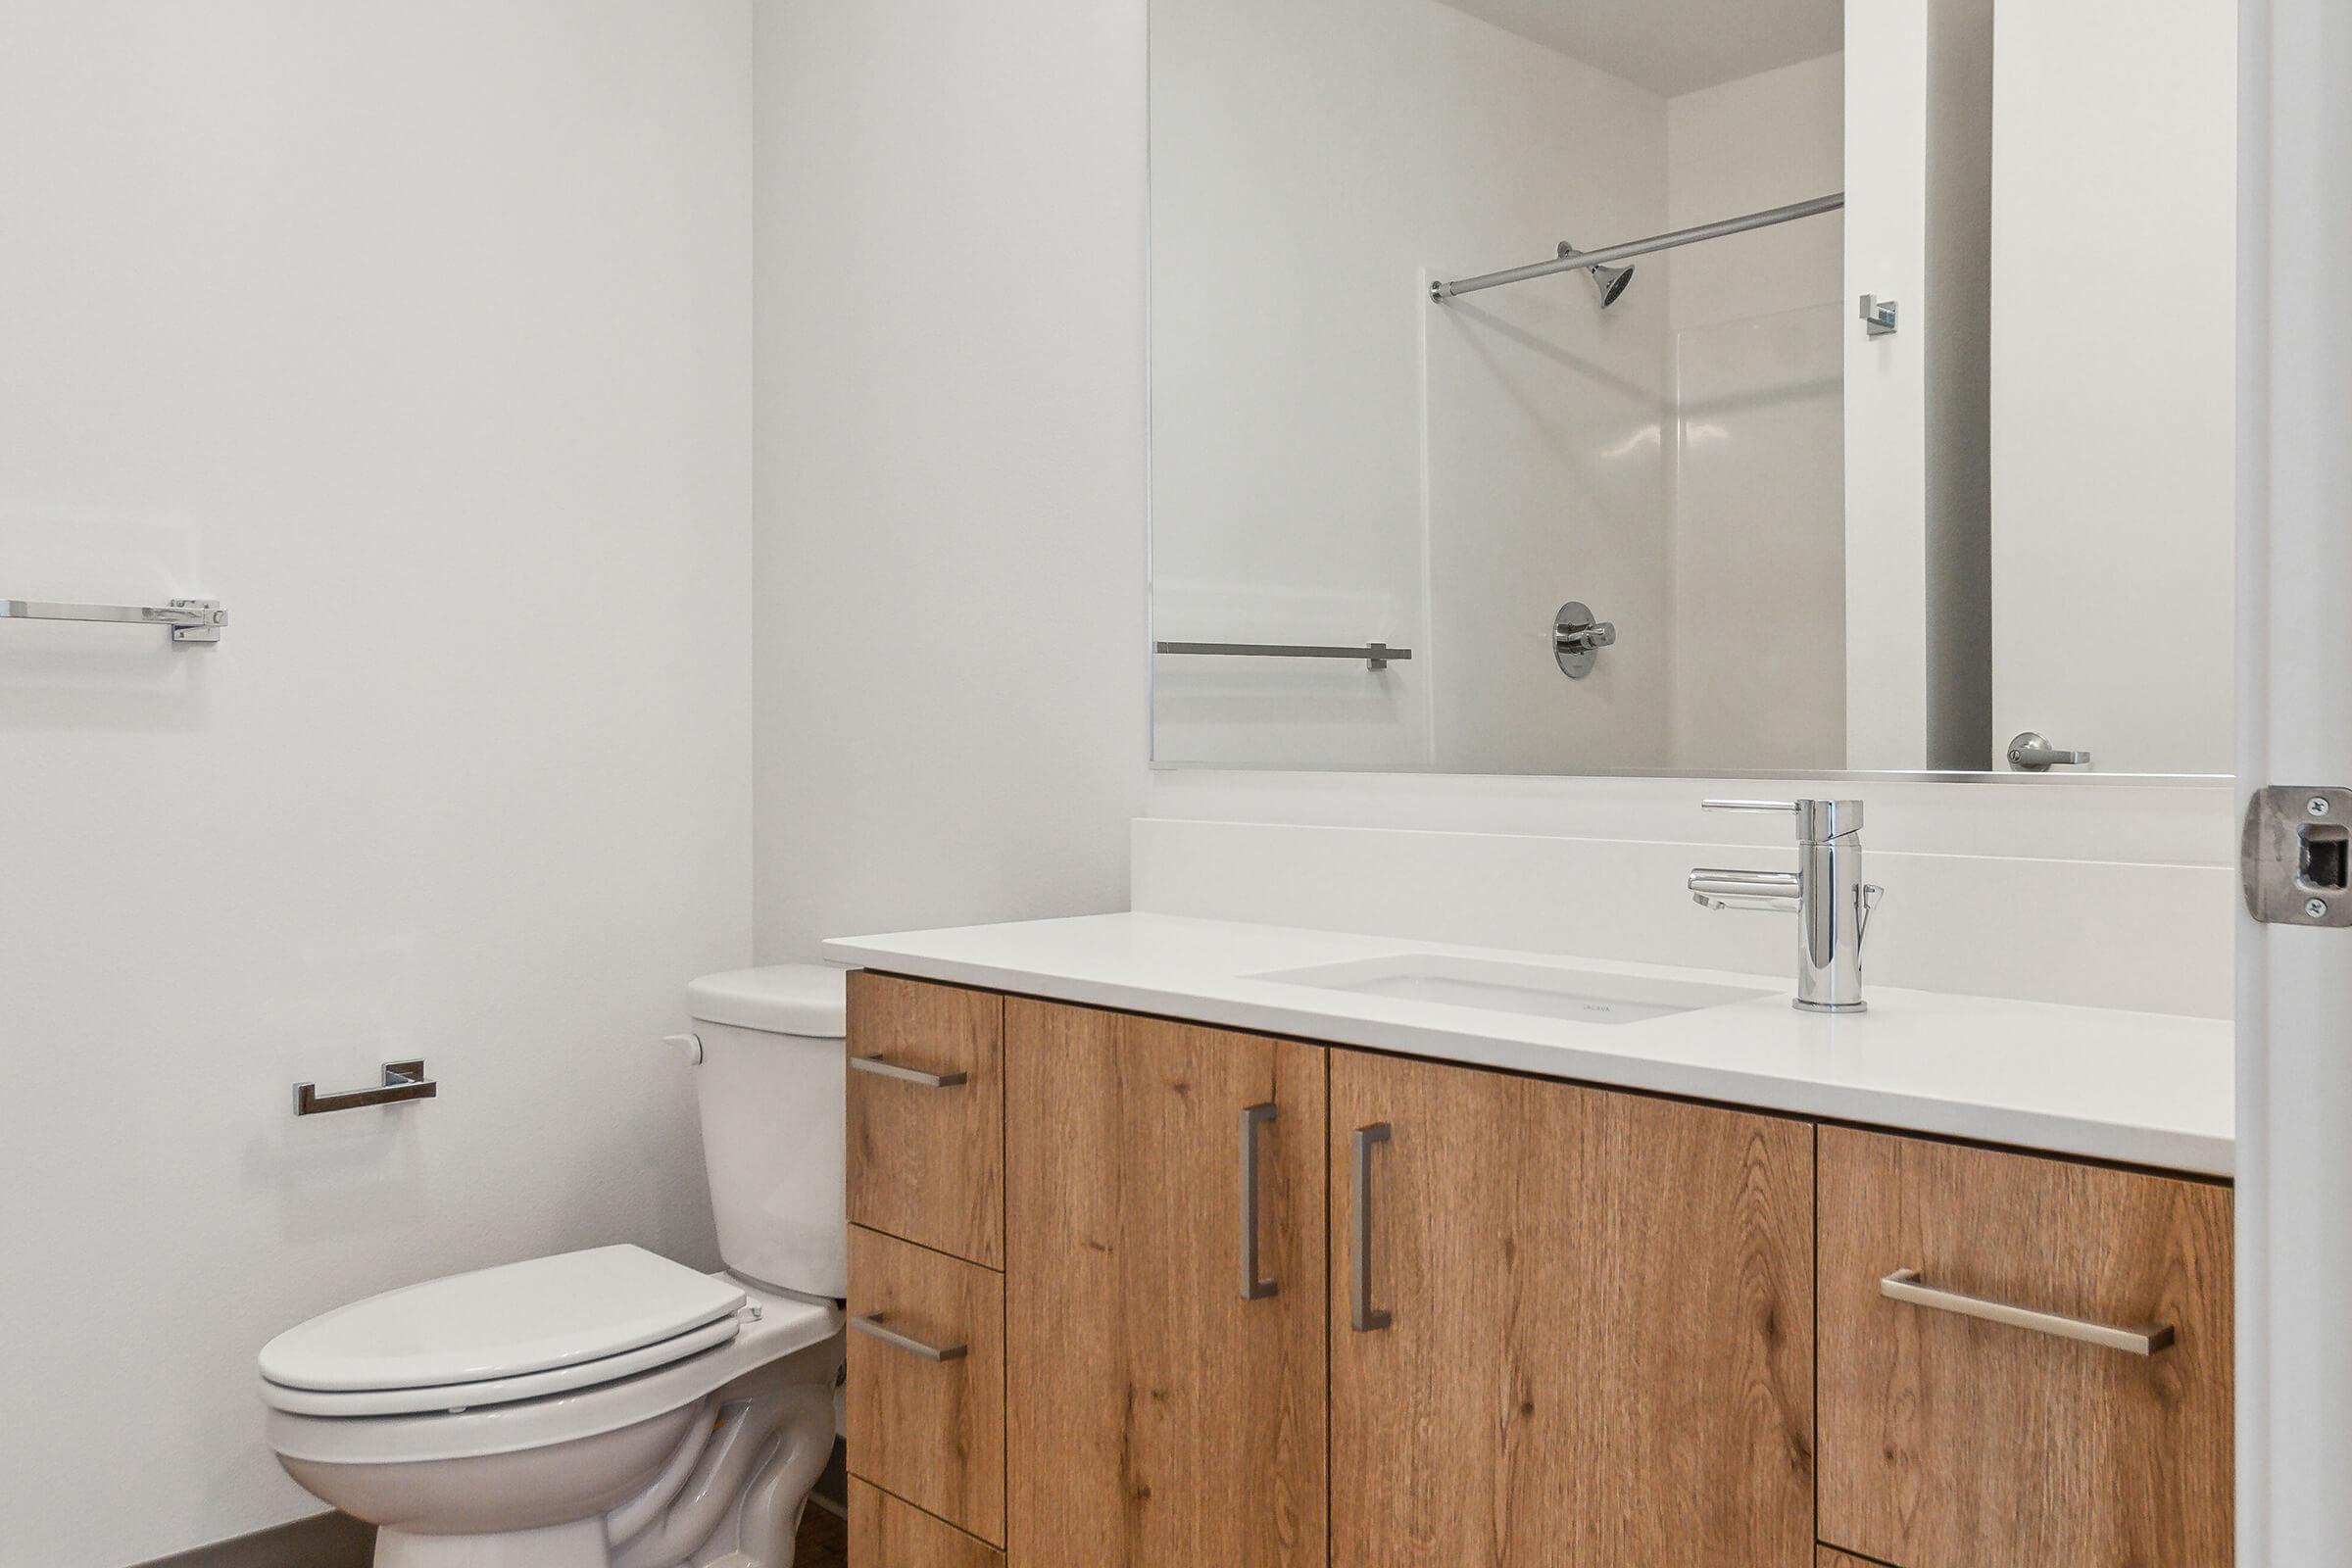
[885, 1533]
[1601, 1348]
[1832, 1558]
[1156, 1419]
[927, 1165]
[1951, 1443]
[930, 1432]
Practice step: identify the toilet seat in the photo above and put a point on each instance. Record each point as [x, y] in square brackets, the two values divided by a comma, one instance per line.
[454, 1397]
[497, 1336]
[784, 1327]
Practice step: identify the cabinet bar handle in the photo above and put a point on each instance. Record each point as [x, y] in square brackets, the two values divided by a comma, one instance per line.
[1254, 1287]
[883, 1066]
[1903, 1285]
[871, 1325]
[1364, 1315]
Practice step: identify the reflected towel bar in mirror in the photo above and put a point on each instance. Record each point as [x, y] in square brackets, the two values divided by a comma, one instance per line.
[192, 620]
[1376, 656]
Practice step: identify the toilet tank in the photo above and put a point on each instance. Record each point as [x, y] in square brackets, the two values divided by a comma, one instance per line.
[771, 1084]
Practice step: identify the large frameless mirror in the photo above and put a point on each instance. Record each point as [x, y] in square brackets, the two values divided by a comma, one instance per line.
[1681, 387]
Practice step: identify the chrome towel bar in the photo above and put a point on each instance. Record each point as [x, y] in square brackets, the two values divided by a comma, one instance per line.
[1376, 656]
[192, 620]
[402, 1081]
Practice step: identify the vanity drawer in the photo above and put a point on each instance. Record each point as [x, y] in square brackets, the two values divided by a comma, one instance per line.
[887, 1534]
[926, 1114]
[926, 1381]
[1956, 1432]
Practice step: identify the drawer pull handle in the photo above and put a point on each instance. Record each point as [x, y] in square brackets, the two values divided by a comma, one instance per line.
[1254, 1287]
[883, 1066]
[1363, 1316]
[871, 1325]
[1903, 1285]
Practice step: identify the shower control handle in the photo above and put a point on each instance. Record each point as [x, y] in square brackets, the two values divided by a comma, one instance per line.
[1577, 635]
[1601, 634]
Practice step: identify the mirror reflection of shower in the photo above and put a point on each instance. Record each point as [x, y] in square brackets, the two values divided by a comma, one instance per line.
[1611, 281]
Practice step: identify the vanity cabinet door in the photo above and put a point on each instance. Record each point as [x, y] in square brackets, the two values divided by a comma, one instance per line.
[1956, 1432]
[1157, 1416]
[1582, 1336]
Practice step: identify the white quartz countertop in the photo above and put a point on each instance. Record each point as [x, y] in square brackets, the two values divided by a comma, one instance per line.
[2141, 1088]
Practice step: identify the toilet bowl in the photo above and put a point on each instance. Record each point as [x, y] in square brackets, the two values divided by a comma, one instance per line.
[610, 1409]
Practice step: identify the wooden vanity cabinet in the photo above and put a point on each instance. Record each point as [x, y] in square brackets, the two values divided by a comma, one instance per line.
[1153, 1295]
[1581, 1334]
[1164, 1293]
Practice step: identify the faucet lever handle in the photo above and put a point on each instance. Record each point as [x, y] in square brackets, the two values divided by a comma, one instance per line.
[1816, 820]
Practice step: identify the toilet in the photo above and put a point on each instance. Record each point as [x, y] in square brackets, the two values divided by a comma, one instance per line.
[610, 1409]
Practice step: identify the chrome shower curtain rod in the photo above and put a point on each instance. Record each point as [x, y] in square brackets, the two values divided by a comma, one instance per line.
[1569, 261]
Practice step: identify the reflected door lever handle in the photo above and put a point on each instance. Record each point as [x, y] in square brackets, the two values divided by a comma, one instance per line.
[2030, 753]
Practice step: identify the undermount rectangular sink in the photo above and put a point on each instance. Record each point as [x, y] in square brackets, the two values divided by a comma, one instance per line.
[1582, 995]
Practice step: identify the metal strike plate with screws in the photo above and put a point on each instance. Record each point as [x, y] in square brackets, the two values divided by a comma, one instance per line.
[2297, 856]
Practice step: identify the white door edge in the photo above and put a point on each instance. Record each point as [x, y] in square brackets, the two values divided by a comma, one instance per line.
[2294, 990]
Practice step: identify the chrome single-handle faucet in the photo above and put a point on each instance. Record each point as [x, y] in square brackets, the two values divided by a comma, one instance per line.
[1825, 892]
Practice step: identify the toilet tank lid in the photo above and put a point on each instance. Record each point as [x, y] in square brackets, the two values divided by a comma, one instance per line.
[782, 998]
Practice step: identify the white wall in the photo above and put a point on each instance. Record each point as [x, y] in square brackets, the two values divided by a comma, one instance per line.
[951, 675]
[2114, 378]
[1758, 457]
[419, 335]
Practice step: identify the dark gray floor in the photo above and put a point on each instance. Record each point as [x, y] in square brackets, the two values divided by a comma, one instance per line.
[324, 1541]
[335, 1541]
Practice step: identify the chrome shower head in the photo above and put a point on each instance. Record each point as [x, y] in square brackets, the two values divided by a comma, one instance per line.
[1611, 281]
